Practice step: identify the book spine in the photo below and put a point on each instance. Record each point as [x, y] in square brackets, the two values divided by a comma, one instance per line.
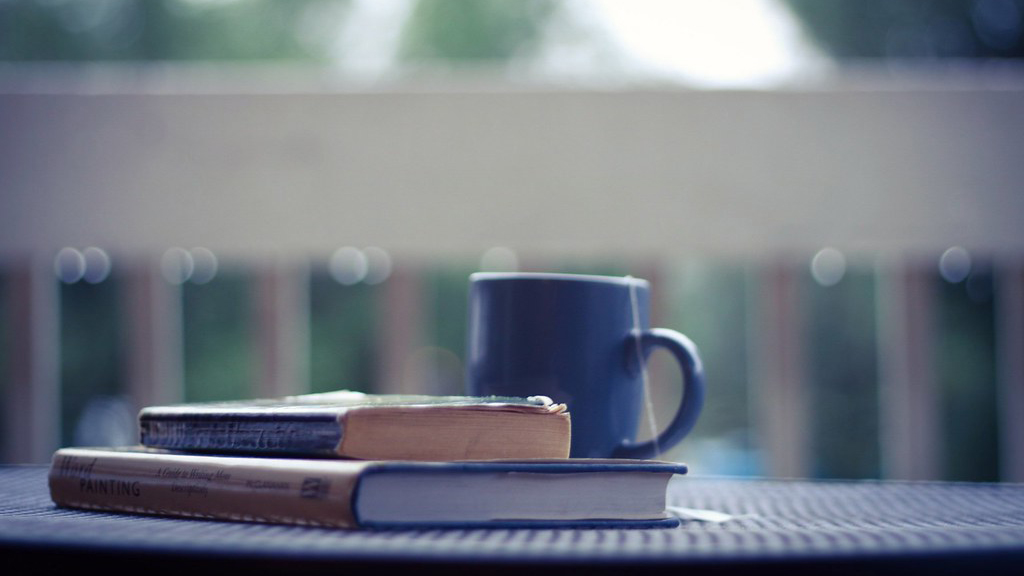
[312, 436]
[222, 488]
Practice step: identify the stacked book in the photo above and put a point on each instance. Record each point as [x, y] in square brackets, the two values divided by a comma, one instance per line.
[349, 460]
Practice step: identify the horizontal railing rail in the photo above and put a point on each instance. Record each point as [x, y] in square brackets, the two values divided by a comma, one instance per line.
[651, 176]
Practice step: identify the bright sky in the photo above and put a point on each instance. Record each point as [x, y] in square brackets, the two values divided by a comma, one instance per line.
[703, 43]
[707, 43]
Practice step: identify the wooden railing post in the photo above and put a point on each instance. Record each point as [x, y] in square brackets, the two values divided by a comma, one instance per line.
[779, 386]
[665, 393]
[153, 330]
[1010, 368]
[909, 419]
[33, 398]
[281, 313]
[399, 334]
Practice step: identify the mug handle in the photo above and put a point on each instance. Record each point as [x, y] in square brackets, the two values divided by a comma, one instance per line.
[685, 352]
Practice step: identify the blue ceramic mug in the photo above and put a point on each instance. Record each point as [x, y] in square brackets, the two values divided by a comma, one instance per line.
[580, 340]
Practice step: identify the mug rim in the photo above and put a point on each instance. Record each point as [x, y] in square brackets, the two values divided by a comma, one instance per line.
[558, 277]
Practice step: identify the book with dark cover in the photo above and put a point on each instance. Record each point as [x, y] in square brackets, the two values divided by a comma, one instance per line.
[365, 426]
[366, 494]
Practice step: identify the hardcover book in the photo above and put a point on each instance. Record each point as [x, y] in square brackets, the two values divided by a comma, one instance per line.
[367, 494]
[350, 424]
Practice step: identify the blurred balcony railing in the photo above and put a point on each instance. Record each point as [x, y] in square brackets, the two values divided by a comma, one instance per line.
[892, 177]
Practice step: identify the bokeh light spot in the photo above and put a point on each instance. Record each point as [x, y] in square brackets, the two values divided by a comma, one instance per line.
[176, 265]
[997, 22]
[955, 264]
[69, 265]
[499, 259]
[204, 264]
[348, 266]
[378, 265]
[828, 266]
[97, 265]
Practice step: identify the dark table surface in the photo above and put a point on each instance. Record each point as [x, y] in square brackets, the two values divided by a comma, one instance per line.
[776, 526]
